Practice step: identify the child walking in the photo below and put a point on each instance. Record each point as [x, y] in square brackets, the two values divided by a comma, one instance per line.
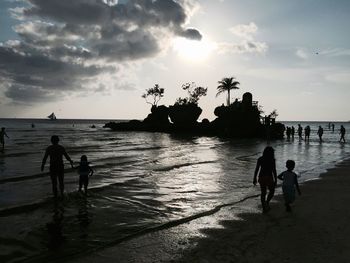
[290, 183]
[84, 171]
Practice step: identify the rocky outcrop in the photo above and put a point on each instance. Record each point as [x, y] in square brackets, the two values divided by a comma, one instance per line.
[240, 119]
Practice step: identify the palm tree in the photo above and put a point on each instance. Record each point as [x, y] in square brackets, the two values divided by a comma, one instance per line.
[226, 85]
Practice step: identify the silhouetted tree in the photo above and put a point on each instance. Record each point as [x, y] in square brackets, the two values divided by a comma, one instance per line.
[273, 114]
[226, 85]
[156, 93]
[194, 94]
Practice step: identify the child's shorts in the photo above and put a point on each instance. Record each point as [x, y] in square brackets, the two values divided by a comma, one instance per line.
[288, 193]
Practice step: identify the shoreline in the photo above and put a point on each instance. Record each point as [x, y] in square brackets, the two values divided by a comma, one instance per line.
[316, 231]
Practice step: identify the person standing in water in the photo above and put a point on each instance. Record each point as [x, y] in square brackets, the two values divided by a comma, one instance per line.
[56, 153]
[2, 138]
[320, 133]
[84, 171]
[307, 133]
[300, 132]
[342, 133]
[266, 167]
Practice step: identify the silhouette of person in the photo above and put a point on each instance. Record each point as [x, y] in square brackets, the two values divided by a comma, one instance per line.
[320, 133]
[307, 133]
[288, 132]
[56, 153]
[300, 132]
[2, 138]
[266, 164]
[333, 127]
[290, 182]
[84, 171]
[292, 132]
[342, 133]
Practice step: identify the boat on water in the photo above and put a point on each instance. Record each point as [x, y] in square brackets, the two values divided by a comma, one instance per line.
[52, 117]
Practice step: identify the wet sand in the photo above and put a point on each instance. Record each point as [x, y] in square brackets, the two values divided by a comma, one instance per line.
[317, 230]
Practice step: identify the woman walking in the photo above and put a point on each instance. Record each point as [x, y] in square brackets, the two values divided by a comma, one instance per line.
[266, 164]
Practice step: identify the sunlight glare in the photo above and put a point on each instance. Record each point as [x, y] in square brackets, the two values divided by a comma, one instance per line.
[193, 50]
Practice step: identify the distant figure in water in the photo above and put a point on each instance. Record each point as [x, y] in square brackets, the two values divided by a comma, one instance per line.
[342, 133]
[267, 176]
[300, 132]
[288, 132]
[33, 125]
[2, 138]
[56, 153]
[333, 127]
[290, 182]
[292, 132]
[320, 133]
[307, 133]
[84, 171]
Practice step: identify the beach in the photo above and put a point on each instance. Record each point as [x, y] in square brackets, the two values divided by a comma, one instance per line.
[153, 196]
[315, 231]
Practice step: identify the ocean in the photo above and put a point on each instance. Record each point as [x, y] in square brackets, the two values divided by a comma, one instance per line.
[142, 181]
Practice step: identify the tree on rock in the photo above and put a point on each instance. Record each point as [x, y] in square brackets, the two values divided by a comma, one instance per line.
[226, 85]
[156, 93]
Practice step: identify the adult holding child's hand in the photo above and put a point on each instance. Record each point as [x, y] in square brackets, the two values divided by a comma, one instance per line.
[56, 153]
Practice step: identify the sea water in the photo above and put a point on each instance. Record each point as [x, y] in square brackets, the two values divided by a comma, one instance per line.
[142, 180]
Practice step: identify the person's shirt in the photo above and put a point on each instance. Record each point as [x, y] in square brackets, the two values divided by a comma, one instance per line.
[267, 167]
[288, 178]
[84, 168]
[56, 153]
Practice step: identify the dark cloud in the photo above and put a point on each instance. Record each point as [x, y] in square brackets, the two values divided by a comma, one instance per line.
[65, 44]
[191, 33]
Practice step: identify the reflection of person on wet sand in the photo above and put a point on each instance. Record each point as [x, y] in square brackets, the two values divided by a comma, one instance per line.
[2, 138]
[54, 228]
[342, 133]
[267, 176]
[56, 153]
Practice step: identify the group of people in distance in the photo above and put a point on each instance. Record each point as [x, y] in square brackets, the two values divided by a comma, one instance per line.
[56, 153]
[266, 174]
[290, 131]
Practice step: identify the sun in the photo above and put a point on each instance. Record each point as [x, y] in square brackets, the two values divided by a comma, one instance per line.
[193, 50]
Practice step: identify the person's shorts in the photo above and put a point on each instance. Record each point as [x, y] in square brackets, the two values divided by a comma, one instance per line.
[84, 179]
[288, 193]
[56, 170]
[266, 181]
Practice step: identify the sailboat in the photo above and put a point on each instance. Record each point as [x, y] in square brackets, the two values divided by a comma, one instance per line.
[52, 116]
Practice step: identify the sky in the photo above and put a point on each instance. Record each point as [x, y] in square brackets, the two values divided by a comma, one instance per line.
[94, 59]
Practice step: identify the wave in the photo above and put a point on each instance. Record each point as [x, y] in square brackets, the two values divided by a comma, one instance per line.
[17, 154]
[176, 166]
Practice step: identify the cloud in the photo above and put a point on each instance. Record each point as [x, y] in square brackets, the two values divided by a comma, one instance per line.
[244, 31]
[342, 78]
[301, 53]
[65, 46]
[246, 43]
[335, 52]
[243, 47]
